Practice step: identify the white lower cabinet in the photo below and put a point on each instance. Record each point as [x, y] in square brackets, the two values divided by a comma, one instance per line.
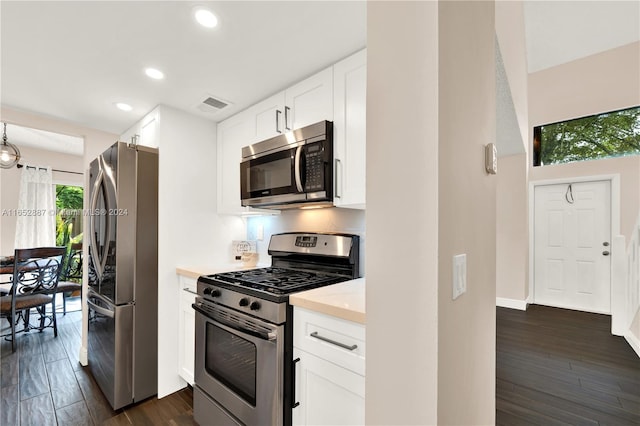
[186, 329]
[328, 394]
[330, 381]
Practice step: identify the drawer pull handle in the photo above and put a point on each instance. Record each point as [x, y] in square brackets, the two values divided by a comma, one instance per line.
[333, 342]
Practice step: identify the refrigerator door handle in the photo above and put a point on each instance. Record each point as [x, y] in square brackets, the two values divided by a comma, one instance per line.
[101, 263]
[97, 261]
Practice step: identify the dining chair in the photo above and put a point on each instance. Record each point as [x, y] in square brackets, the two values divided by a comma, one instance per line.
[35, 277]
[71, 276]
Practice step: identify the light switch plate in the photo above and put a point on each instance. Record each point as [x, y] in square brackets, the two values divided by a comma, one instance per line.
[459, 283]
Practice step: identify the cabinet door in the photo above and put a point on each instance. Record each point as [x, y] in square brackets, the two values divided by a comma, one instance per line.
[310, 101]
[269, 118]
[350, 131]
[146, 129]
[233, 134]
[328, 394]
[186, 329]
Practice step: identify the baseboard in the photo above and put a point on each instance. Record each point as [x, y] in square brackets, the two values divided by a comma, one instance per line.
[633, 341]
[511, 303]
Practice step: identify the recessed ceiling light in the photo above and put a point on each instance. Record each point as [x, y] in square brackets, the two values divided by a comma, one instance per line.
[206, 18]
[154, 73]
[123, 106]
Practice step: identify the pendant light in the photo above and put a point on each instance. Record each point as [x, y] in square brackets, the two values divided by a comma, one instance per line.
[9, 153]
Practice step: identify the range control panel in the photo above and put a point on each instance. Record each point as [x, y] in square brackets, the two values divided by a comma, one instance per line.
[306, 241]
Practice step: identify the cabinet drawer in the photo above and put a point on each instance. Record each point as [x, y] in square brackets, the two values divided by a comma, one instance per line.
[333, 339]
[188, 285]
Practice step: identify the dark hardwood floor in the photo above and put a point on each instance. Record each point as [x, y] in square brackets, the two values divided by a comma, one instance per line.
[43, 383]
[555, 366]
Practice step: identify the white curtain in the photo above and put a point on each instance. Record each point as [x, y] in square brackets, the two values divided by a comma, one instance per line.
[36, 215]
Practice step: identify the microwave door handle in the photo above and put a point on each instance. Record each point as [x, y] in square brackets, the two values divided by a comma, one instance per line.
[298, 169]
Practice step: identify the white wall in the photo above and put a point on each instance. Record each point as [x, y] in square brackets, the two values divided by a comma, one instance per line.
[509, 25]
[512, 231]
[189, 230]
[512, 209]
[427, 201]
[467, 213]
[402, 213]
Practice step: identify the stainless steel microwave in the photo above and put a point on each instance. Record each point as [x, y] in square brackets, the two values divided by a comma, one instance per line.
[291, 170]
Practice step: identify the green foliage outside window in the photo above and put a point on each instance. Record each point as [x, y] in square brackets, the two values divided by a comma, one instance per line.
[611, 134]
[69, 215]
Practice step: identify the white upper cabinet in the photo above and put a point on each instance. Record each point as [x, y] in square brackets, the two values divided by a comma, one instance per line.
[309, 101]
[146, 129]
[303, 104]
[337, 94]
[269, 118]
[233, 134]
[350, 130]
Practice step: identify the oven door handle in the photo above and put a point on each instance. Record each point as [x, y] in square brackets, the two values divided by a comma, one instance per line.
[259, 334]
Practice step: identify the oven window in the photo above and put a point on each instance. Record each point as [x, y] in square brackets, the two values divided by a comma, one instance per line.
[232, 361]
[270, 175]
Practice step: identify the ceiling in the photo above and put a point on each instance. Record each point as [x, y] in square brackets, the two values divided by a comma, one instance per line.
[74, 60]
[557, 32]
[39, 139]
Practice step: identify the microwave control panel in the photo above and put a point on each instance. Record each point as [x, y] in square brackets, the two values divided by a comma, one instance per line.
[314, 159]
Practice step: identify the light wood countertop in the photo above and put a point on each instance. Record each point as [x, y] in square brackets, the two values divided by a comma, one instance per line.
[198, 270]
[345, 300]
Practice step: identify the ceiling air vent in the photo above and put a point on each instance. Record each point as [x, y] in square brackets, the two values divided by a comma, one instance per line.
[212, 105]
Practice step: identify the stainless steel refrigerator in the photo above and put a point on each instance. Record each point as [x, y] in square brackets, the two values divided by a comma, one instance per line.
[123, 273]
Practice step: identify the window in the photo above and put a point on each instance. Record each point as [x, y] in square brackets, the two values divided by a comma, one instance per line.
[610, 134]
[68, 214]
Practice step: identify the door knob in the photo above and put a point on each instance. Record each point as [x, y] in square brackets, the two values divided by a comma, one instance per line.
[606, 244]
[606, 253]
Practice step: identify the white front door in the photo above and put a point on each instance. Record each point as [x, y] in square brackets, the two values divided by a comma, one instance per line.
[572, 237]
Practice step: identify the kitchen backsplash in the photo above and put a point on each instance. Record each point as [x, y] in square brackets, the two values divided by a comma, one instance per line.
[313, 220]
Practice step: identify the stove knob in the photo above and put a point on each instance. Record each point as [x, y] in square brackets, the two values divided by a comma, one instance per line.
[207, 291]
[255, 306]
[244, 301]
[215, 293]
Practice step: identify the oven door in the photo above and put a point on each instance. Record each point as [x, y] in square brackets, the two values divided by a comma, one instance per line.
[239, 364]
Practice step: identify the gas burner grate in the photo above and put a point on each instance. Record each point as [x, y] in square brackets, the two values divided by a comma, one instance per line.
[279, 281]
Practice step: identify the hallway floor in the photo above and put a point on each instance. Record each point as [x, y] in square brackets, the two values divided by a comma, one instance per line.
[556, 366]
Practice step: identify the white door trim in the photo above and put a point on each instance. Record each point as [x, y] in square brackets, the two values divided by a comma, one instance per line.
[614, 179]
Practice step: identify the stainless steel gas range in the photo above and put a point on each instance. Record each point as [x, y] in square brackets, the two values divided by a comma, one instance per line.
[244, 367]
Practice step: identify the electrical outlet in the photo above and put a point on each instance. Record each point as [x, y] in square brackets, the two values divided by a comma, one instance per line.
[260, 232]
[459, 283]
